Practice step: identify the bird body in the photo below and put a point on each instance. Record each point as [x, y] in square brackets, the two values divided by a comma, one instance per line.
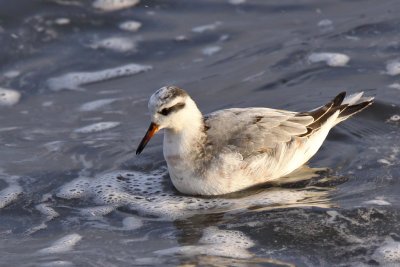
[233, 149]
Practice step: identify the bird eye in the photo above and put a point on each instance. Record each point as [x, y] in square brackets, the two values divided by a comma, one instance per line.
[165, 111]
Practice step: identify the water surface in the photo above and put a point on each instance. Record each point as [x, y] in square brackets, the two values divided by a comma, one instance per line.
[72, 192]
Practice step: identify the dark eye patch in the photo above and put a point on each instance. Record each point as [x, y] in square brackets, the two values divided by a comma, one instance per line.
[167, 111]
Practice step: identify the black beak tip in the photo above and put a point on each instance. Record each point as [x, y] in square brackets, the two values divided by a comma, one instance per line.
[153, 128]
[139, 149]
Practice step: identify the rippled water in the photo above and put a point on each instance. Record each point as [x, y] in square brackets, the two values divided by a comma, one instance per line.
[75, 77]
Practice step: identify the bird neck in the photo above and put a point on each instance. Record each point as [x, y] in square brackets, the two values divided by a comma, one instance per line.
[183, 140]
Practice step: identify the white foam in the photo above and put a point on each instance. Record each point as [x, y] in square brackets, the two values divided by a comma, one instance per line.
[117, 44]
[47, 104]
[380, 201]
[223, 38]
[97, 104]
[112, 5]
[130, 25]
[216, 242]
[131, 223]
[325, 23]
[254, 77]
[98, 127]
[393, 67]
[394, 86]
[389, 253]
[181, 38]
[74, 80]
[352, 38]
[208, 27]
[211, 50]
[237, 2]
[146, 194]
[334, 215]
[62, 21]
[11, 193]
[6, 129]
[384, 161]
[212, 235]
[394, 118]
[57, 263]
[210, 250]
[48, 211]
[97, 211]
[12, 74]
[63, 244]
[54, 146]
[9, 97]
[36, 228]
[75, 189]
[331, 59]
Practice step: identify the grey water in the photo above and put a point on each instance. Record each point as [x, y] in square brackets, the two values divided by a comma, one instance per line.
[73, 192]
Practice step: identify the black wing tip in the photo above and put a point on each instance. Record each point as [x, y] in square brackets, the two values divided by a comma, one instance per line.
[339, 99]
[353, 109]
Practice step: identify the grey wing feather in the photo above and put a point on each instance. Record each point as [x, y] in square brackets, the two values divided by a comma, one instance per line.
[252, 131]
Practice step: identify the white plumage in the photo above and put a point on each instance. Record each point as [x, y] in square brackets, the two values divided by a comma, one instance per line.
[233, 149]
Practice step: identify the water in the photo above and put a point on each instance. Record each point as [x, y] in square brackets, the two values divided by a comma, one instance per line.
[75, 77]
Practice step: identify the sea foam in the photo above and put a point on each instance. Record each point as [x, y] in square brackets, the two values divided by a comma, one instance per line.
[116, 44]
[150, 195]
[211, 50]
[74, 80]
[112, 5]
[216, 242]
[388, 254]
[9, 97]
[9, 194]
[207, 27]
[97, 104]
[393, 67]
[98, 127]
[331, 59]
[13, 190]
[130, 25]
[63, 244]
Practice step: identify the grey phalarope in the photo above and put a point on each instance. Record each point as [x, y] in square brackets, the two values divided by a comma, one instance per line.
[233, 149]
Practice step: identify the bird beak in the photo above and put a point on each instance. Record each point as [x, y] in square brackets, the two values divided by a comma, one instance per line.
[153, 128]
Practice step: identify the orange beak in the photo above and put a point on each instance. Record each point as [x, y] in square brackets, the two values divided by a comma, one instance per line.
[153, 128]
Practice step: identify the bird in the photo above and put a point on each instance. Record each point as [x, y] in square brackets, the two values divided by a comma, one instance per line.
[234, 149]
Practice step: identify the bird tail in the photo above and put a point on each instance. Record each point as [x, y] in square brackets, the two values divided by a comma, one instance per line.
[341, 107]
[353, 104]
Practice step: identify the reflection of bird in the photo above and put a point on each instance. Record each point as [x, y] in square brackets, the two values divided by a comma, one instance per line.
[232, 149]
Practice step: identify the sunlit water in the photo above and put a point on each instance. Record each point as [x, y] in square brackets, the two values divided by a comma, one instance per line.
[75, 77]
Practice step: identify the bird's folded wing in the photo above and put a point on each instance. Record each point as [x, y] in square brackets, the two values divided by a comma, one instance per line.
[251, 131]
